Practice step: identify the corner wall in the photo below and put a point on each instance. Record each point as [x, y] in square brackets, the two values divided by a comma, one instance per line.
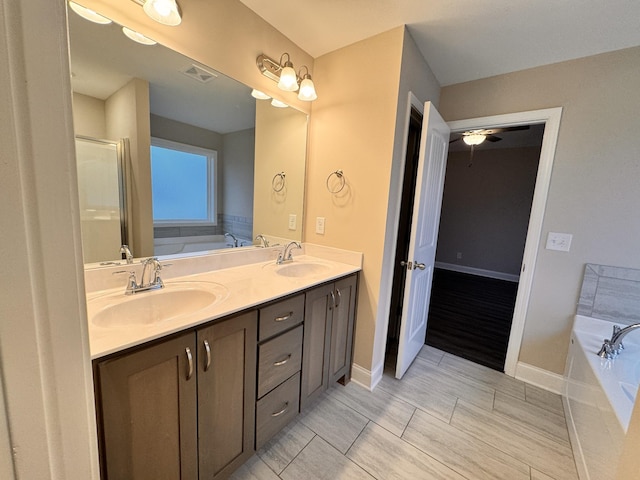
[594, 187]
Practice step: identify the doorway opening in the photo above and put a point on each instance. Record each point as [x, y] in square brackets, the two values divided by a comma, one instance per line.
[486, 205]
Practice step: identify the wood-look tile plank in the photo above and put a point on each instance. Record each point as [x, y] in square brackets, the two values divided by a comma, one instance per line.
[431, 354]
[462, 452]
[536, 475]
[420, 394]
[486, 375]
[321, 461]
[532, 416]
[381, 407]
[535, 449]
[387, 457]
[334, 421]
[254, 469]
[544, 399]
[289, 442]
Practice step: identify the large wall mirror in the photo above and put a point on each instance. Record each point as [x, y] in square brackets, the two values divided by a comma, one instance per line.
[196, 162]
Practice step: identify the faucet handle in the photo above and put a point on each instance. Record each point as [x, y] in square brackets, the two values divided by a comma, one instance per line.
[132, 282]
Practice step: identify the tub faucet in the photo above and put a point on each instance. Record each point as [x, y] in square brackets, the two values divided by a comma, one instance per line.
[264, 243]
[235, 240]
[286, 255]
[127, 253]
[611, 348]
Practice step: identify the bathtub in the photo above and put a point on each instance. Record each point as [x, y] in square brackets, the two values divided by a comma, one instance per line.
[176, 245]
[599, 396]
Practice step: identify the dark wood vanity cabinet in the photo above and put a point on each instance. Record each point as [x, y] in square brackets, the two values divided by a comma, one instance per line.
[183, 408]
[328, 337]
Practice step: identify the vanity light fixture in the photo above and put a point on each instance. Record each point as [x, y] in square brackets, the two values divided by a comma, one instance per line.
[166, 12]
[474, 138]
[283, 73]
[138, 37]
[277, 103]
[259, 95]
[89, 14]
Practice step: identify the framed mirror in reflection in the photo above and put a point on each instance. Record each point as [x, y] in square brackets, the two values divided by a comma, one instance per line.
[205, 166]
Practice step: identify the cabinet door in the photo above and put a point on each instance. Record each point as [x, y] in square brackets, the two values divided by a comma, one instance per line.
[342, 328]
[148, 410]
[226, 394]
[317, 337]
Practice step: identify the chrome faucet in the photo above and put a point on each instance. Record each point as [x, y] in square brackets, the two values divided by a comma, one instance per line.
[286, 255]
[127, 253]
[235, 240]
[611, 348]
[264, 243]
[153, 266]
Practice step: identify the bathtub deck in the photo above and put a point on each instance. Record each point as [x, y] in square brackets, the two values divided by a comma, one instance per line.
[448, 418]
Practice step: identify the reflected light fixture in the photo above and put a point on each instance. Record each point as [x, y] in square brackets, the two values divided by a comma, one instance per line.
[284, 74]
[138, 37]
[474, 138]
[166, 12]
[89, 14]
[277, 103]
[259, 95]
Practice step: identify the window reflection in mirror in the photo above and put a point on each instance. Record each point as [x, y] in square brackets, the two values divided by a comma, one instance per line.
[126, 90]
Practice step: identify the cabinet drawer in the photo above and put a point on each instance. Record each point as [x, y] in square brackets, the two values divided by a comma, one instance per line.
[278, 359]
[280, 316]
[277, 409]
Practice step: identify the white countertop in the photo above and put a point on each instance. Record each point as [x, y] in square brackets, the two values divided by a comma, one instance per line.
[245, 286]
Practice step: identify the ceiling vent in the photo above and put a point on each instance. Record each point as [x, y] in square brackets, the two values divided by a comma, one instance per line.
[200, 74]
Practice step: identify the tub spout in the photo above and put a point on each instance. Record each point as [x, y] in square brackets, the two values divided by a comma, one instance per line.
[611, 348]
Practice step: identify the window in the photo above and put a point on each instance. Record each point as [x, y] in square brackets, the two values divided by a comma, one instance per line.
[182, 183]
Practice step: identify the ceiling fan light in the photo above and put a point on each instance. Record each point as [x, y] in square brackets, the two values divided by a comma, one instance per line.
[165, 12]
[474, 139]
[89, 14]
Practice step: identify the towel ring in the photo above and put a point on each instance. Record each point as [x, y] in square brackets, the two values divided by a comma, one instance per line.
[340, 175]
[278, 182]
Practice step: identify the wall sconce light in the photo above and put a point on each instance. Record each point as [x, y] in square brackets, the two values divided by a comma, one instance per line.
[166, 12]
[89, 14]
[138, 37]
[277, 103]
[259, 95]
[283, 73]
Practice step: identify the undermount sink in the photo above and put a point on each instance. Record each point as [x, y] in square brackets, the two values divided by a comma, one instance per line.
[299, 269]
[154, 306]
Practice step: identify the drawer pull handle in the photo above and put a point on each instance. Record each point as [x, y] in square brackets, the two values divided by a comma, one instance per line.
[189, 363]
[339, 297]
[333, 300]
[277, 414]
[283, 318]
[282, 362]
[207, 349]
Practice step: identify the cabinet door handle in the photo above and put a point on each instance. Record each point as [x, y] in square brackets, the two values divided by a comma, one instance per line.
[333, 300]
[282, 362]
[207, 349]
[189, 363]
[277, 414]
[283, 318]
[339, 297]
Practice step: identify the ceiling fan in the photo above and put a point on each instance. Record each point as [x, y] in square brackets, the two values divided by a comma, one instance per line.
[476, 137]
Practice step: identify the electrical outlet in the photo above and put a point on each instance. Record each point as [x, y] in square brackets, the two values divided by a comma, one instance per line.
[292, 221]
[320, 225]
[559, 241]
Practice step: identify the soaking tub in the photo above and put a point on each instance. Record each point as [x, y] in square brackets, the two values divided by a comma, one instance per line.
[175, 245]
[599, 396]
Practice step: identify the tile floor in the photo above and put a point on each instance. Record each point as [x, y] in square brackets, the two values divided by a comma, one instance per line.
[447, 419]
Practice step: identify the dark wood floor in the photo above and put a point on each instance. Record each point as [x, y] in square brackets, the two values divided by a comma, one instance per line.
[470, 316]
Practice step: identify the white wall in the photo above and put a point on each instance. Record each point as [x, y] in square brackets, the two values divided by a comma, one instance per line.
[594, 187]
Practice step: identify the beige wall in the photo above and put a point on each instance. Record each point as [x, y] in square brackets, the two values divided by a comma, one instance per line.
[89, 116]
[280, 146]
[594, 187]
[180, 132]
[351, 129]
[236, 173]
[127, 114]
[486, 208]
[223, 34]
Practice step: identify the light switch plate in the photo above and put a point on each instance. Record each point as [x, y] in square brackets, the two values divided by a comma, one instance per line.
[559, 241]
[320, 225]
[292, 221]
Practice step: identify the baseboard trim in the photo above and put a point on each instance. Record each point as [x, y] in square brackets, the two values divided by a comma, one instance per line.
[478, 271]
[366, 378]
[540, 378]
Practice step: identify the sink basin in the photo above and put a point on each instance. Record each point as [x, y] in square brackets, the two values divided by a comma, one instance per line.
[154, 306]
[299, 269]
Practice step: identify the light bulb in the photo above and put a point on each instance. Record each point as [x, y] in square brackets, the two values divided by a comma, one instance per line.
[307, 89]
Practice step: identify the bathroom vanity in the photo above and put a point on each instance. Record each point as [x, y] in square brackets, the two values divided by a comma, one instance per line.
[197, 400]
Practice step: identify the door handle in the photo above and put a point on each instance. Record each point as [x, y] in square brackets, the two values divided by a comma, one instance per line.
[421, 266]
[409, 265]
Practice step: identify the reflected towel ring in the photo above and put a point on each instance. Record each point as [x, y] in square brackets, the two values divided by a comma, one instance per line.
[341, 181]
[278, 182]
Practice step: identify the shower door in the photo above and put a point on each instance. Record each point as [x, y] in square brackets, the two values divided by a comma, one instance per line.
[101, 189]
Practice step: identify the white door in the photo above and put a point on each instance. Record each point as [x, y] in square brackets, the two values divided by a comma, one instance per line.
[434, 146]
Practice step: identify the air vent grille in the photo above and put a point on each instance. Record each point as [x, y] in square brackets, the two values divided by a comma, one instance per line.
[199, 73]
